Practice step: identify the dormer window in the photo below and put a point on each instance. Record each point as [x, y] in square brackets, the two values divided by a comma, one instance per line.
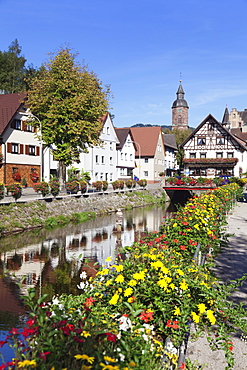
[16, 124]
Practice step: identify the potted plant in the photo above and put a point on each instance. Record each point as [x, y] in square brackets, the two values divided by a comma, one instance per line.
[15, 190]
[54, 187]
[42, 187]
[83, 186]
[24, 182]
[142, 183]
[97, 185]
[16, 175]
[72, 187]
[115, 185]
[1, 191]
[34, 176]
[104, 185]
[129, 183]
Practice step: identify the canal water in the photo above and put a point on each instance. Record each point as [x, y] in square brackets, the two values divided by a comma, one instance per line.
[51, 261]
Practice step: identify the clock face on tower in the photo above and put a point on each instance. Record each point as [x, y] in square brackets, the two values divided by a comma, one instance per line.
[180, 110]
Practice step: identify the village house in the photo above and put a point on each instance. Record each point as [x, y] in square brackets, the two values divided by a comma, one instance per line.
[170, 154]
[20, 149]
[125, 153]
[212, 150]
[150, 152]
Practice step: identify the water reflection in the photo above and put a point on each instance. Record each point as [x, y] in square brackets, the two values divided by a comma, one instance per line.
[51, 261]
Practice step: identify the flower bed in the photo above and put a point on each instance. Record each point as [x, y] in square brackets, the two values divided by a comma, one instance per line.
[126, 317]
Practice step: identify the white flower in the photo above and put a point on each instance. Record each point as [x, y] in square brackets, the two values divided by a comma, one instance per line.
[122, 357]
[81, 285]
[55, 300]
[124, 323]
[83, 275]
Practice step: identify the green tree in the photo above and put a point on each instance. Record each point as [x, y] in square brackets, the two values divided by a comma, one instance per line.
[69, 102]
[12, 69]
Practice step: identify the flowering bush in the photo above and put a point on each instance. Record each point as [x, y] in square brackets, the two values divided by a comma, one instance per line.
[97, 185]
[124, 317]
[16, 175]
[72, 186]
[142, 183]
[54, 187]
[104, 185]
[15, 190]
[130, 183]
[34, 176]
[210, 160]
[1, 191]
[115, 185]
[83, 186]
[190, 181]
[42, 187]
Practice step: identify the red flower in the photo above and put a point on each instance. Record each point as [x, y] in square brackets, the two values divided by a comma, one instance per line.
[175, 240]
[146, 315]
[90, 301]
[172, 324]
[182, 366]
[2, 343]
[111, 337]
[43, 355]
[183, 247]
[14, 331]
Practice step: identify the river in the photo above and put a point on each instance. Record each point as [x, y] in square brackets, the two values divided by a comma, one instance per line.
[51, 260]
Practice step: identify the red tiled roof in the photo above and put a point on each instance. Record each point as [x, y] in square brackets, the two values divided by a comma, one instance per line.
[147, 138]
[9, 104]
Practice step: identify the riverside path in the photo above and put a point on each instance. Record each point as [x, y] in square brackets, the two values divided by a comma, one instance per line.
[230, 264]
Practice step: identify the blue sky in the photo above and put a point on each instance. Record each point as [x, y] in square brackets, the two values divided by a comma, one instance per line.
[140, 47]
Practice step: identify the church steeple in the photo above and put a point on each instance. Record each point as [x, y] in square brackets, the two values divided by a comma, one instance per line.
[180, 110]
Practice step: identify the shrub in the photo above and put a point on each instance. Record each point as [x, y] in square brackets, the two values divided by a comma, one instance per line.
[83, 186]
[72, 186]
[142, 183]
[42, 187]
[115, 185]
[104, 185]
[54, 187]
[97, 185]
[15, 190]
[1, 191]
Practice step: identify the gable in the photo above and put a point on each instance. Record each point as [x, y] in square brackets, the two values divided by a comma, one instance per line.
[9, 105]
[108, 132]
[211, 134]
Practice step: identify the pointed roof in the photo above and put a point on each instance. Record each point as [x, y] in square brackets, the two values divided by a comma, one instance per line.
[9, 105]
[180, 101]
[170, 140]
[225, 118]
[211, 118]
[122, 134]
[147, 138]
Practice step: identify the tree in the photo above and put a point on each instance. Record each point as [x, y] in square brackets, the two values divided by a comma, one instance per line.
[69, 102]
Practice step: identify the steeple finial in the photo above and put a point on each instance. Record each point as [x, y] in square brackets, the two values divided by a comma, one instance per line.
[180, 79]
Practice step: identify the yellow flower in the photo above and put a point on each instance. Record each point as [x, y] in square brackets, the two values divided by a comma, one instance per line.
[132, 363]
[162, 283]
[108, 282]
[183, 285]
[85, 367]
[119, 268]
[128, 292]
[179, 272]
[85, 334]
[109, 359]
[132, 282]
[25, 363]
[85, 357]
[114, 299]
[195, 317]
[211, 317]
[109, 259]
[177, 311]
[139, 275]
[165, 270]
[108, 367]
[119, 278]
[201, 307]
[175, 224]
[156, 264]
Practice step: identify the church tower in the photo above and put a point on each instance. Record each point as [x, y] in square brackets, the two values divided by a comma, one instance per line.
[180, 110]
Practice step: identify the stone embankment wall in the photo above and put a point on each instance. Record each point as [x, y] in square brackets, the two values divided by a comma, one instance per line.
[18, 217]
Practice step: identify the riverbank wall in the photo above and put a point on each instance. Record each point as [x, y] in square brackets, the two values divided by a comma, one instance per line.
[17, 217]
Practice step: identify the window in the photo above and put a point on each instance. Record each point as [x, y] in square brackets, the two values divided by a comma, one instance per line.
[192, 155]
[220, 140]
[97, 159]
[146, 173]
[210, 126]
[203, 155]
[146, 160]
[14, 148]
[201, 141]
[31, 150]
[111, 147]
[121, 156]
[111, 176]
[102, 159]
[230, 155]
[126, 156]
[219, 154]
[108, 130]
[96, 175]
[131, 157]
[110, 160]
[121, 171]
[17, 124]
[29, 128]
[101, 176]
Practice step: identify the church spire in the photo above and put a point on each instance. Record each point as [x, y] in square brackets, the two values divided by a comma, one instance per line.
[180, 109]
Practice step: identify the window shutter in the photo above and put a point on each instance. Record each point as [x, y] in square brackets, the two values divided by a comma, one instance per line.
[37, 150]
[24, 126]
[26, 149]
[21, 149]
[9, 147]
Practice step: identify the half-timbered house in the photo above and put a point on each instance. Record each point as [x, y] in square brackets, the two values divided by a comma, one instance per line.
[211, 150]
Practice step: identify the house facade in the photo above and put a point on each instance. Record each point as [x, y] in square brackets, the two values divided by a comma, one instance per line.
[170, 154]
[20, 149]
[101, 160]
[125, 154]
[212, 150]
[150, 153]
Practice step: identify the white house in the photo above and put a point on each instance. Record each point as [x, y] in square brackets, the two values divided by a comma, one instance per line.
[211, 150]
[125, 153]
[170, 154]
[101, 160]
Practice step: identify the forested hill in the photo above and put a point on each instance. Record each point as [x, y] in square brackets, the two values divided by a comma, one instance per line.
[169, 127]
